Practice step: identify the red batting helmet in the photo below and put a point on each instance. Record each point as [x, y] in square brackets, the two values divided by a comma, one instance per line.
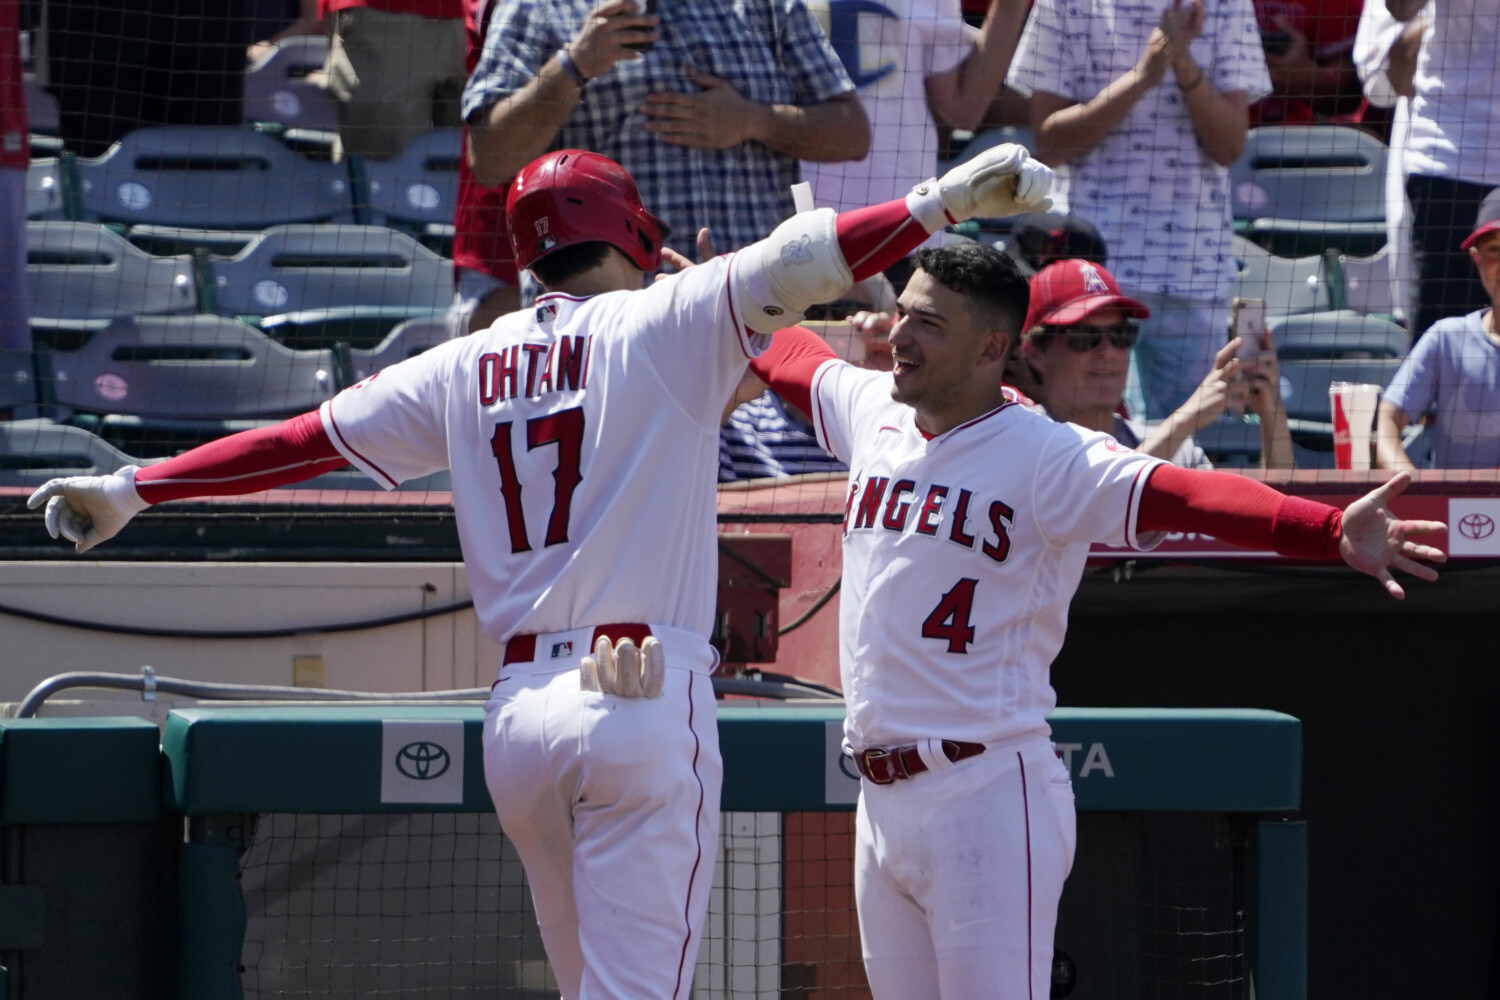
[572, 196]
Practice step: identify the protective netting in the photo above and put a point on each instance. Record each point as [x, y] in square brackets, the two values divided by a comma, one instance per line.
[222, 224]
[436, 906]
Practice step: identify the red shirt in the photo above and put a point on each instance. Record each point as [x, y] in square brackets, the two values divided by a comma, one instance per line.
[1329, 26]
[441, 10]
[481, 241]
[15, 148]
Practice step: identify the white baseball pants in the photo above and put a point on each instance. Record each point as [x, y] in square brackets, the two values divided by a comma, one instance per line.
[613, 805]
[958, 873]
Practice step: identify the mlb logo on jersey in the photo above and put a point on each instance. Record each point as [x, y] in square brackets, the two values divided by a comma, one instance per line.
[546, 312]
[561, 649]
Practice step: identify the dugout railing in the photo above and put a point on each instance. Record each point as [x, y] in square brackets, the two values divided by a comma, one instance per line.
[351, 850]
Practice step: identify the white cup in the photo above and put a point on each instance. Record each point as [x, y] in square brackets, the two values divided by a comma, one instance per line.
[1353, 406]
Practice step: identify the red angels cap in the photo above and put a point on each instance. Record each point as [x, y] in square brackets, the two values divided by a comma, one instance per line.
[1488, 221]
[1066, 291]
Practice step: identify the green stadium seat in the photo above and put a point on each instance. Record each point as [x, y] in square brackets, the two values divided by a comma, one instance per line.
[1303, 189]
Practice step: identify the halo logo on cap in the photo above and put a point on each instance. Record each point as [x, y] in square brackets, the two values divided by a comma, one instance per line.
[1092, 282]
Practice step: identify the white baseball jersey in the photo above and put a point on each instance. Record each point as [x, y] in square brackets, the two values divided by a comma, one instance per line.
[961, 555]
[563, 424]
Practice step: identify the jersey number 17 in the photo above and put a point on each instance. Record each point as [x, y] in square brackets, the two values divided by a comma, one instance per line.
[564, 429]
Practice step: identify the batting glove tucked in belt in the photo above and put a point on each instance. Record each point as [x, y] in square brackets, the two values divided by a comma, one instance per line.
[87, 510]
[1003, 180]
[625, 670]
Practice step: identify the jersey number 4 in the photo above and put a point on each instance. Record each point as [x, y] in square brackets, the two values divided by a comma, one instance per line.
[950, 619]
[564, 429]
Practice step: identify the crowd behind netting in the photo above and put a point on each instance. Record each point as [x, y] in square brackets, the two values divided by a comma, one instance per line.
[218, 213]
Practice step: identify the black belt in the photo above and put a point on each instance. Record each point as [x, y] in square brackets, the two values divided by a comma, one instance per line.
[884, 765]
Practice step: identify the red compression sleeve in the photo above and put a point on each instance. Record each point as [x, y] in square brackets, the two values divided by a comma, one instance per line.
[789, 364]
[874, 238]
[247, 462]
[1239, 510]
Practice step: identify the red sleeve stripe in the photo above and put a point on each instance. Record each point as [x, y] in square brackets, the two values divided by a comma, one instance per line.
[857, 266]
[349, 450]
[1133, 508]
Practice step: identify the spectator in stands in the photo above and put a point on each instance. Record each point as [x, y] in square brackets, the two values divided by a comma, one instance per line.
[1040, 238]
[1385, 54]
[916, 65]
[15, 154]
[486, 284]
[1453, 149]
[1309, 46]
[1454, 371]
[1143, 107]
[711, 121]
[395, 69]
[1075, 354]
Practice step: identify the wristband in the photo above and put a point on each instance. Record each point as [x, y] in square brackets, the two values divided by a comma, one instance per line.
[571, 68]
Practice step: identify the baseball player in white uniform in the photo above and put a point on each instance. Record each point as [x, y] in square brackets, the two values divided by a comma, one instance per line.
[967, 524]
[582, 436]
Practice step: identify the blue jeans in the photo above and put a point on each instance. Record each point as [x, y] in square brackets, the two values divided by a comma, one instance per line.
[1176, 350]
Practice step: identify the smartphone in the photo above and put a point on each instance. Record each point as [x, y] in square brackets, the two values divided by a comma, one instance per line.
[644, 7]
[1275, 42]
[1249, 324]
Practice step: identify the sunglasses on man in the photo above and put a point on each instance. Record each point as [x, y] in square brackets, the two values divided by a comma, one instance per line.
[1085, 338]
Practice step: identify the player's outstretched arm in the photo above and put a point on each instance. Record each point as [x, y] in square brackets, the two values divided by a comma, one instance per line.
[815, 256]
[1375, 541]
[1367, 536]
[87, 510]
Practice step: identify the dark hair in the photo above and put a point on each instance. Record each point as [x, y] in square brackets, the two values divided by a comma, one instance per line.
[1041, 238]
[995, 288]
[560, 265]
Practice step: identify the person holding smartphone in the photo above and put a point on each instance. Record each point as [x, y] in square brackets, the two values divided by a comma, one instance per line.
[1074, 357]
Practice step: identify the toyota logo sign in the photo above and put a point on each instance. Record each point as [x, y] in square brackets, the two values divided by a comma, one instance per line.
[423, 761]
[1476, 526]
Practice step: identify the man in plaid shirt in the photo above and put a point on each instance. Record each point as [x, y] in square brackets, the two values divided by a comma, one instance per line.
[710, 121]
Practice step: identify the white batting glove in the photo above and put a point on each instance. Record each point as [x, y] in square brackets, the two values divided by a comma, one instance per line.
[87, 510]
[1003, 180]
[625, 669]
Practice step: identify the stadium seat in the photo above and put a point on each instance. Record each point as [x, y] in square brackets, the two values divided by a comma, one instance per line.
[190, 367]
[406, 341]
[1342, 335]
[1304, 388]
[18, 397]
[1288, 285]
[1303, 189]
[277, 88]
[210, 177]
[36, 450]
[81, 270]
[1231, 442]
[416, 190]
[1367, 284]
[45, 190]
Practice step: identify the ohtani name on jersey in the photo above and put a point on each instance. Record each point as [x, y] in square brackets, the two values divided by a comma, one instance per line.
[880, 503]
[528, 371]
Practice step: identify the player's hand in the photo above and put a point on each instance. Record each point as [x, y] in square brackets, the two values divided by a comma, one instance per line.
[680, 263]
[1375, 540]
[87, 510]
[716, 117]
[623, 669]
[607, 34]
[1003, 180]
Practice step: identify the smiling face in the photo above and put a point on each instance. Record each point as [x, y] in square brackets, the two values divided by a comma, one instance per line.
[1081, 382]
[945, 358]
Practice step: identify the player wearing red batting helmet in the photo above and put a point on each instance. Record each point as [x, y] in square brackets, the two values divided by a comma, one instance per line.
[571, 197]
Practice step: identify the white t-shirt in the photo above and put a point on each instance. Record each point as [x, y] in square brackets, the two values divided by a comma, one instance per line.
[583, 439]
[961, 555]
[889, 49]
[1455, 117]
[1157, 199]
